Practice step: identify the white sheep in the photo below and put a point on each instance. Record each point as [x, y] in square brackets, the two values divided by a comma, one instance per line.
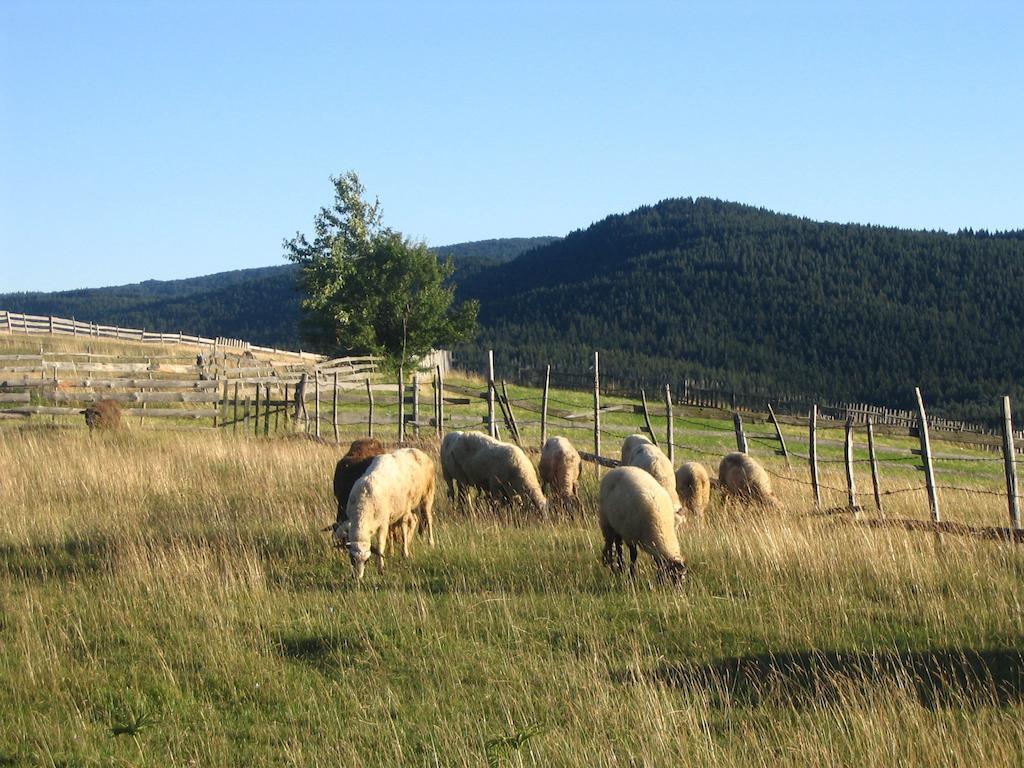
[637, 510]
[694, 487]
[638, 451]
[560, 469]
[475, 460]
[631, 444]
[743, 478]
[397, 491]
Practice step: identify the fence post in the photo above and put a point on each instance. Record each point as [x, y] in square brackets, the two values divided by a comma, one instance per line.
[245, 413]
[875, 484]
[741, 438]
[647, 417]
[401, 405]
[256, 428]
[316, 394]
[51, 325]
[437, 421]
[778, 433]
[544, 407]
[813, 454]
[369, 415]
[851, 487]
[234, 412]
[669, 426]
[416, 404]
[223, 404]
[440, 403]
[334, 407]
[926, 455]
[492, 426]
[277, 413]
[597, 411]
[1010, 465]
[512, 426]
[266, 409]
[287, 403]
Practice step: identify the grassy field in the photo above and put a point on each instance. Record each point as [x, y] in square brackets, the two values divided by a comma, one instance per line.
[167, 597]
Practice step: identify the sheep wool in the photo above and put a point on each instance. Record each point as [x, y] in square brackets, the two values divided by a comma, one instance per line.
[636, 510]
[638, 451]
[502, 470]
[694, 487]
[560, 469]
[744, 478]
[396, 491]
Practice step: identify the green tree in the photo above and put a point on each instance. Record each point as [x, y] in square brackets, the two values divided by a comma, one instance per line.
[369, 289]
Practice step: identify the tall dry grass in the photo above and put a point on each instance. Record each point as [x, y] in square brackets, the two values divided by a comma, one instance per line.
[174, 589]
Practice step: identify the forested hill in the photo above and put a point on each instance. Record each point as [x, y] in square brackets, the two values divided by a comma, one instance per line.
[259, 305]
[755, 299]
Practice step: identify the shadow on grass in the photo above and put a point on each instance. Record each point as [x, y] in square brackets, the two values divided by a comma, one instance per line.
[77, 556]
[937, 678]
[327, 650]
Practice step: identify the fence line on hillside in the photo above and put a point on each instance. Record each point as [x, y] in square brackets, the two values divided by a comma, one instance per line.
[718, 396]
[16, 322]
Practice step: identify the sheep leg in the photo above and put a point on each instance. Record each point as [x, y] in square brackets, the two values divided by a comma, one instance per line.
[427, 516]
[610, 538]
[632, 559]
[381, 547]
[407, 528]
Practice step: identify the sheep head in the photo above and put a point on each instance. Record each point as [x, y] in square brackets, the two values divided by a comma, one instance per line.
[358, 554]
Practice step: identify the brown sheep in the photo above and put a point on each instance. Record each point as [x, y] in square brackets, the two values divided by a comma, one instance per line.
[350, 468]
[103, 415]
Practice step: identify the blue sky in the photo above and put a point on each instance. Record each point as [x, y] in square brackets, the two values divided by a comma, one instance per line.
[172, 139]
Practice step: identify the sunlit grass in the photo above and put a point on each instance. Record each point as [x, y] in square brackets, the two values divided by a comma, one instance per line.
[175, 589]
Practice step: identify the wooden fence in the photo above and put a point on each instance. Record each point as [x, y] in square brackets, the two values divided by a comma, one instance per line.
[15, 322]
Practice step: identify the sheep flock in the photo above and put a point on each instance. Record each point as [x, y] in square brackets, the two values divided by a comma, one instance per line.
[384, 498]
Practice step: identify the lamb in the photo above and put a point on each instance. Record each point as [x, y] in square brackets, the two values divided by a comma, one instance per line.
[475, 460]
[397, 491]
[560, 470]
[350, 468]
[694, 487]
[638, 451]
[103, 415]
[635, 508]
[743, 478]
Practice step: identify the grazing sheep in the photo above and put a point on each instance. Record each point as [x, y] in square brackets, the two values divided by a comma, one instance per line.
[694, 487]
[350, 468]
[103, 415]
[630, 445]
[638, 451]
[743, 478]
[636, 509]
[560, 470]
[397, 491]
[475, 460]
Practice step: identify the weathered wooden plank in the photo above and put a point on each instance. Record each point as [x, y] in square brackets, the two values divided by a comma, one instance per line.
[929, 470]
[62, 396]
[1010, 465]
[48, 410]
[15, 397]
